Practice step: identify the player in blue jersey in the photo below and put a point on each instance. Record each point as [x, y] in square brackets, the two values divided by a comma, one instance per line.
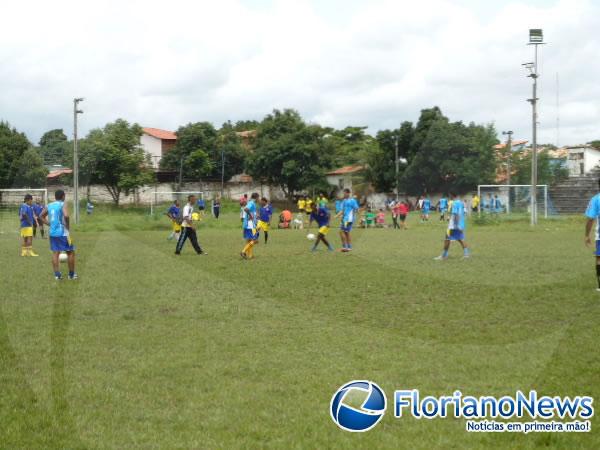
[443, 207]
[264, 217]
[456, 228]
[27, 219]
[56, 216]
[321, 216]
[348, 211]
[425, 209]
[249, 223]
[593, 215]
[38, 207]
[173, 215]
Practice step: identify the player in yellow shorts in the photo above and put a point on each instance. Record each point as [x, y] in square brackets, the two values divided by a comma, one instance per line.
[173, 214]
[265, 213]
[321, 216]
[27, 217]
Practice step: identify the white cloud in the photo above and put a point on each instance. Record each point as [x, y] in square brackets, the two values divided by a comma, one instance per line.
[373, 63]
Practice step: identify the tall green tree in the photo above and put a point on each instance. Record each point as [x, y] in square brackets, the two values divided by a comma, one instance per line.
[351, 145]
[217, 145]
[381, 170]
[453, 157]
[112, 156]
[31, 171]
[13, 145]
[55, 147]
[550, 171]
[289, 153]
[426, 120]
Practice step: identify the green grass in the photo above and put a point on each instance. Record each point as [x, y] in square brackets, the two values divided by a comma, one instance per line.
[150, 350]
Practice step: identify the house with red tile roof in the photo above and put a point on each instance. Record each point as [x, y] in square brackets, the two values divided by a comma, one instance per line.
[342, 177]
[157, 143]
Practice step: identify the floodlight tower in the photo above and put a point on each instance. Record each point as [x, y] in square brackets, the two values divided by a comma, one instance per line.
[76, 112]
[536, 38]
[508, 161]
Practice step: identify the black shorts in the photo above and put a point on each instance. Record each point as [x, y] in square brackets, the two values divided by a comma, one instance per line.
[402, 217]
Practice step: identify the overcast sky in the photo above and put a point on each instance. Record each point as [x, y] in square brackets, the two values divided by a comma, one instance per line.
[341, 62]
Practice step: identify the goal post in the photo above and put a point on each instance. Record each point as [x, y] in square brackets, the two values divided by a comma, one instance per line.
[511, 198]
[10, 202]
[163, 199]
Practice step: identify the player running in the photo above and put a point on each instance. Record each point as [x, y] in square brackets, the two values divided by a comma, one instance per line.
[593, 215]
[27, 218]
[443, 206]
[56, 216]
[321, 216]
[425, 209]
[249, 227]
[349, 208]
[456, 228]
[264, 217]
[173, 215]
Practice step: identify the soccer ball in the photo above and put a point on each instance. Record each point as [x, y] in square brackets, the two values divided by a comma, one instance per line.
[63, 257]
[310, 237]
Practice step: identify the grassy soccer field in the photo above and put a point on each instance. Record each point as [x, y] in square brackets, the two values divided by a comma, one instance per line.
[150, 350]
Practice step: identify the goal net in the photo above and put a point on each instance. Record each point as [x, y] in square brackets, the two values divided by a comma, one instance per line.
[512, 199]
[10, 202]
[161, 201]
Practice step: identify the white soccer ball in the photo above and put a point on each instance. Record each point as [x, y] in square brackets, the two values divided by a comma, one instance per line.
[63, 257]
[311, 237]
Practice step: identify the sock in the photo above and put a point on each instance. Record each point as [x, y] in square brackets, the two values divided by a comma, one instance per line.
[465, 251]
[251, 249]
[71, 273]
[445, 254]
[57, 274]
[266, 237]
[245, 249]
[349, 246]
[598, 275]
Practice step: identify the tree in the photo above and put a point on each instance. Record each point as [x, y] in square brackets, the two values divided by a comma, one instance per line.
[381, 170]
[112, 156]
[290, 154]
[453, 157]
[550, 171]
[427, 118]
[595, 143]
[12, 147]
[55, 148]
[30, 170]
[352, 145]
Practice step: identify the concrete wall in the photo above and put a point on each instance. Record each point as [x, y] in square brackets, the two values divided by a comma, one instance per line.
[145, 195]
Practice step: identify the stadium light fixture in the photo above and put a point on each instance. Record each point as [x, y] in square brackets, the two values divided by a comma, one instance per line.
[76, 112]
[536, 38]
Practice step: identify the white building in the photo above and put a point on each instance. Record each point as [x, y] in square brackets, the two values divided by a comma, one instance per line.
[157, 143]
[342, 177]
[582, 159]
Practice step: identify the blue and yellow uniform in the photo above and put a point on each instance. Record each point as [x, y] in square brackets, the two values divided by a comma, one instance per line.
[173, 213]
[456, 227]
[321, 216]
[349, 207]
[26, 216]
[60, 241]
[264, 218]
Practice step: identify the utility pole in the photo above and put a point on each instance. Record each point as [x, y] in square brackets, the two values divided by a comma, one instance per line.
[536, 38]
[222, 171]
[76, 112]
[397, 167]
[508, 167]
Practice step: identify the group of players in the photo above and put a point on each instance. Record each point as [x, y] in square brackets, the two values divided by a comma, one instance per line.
[254, 220]
[256, 214]
[56, 216]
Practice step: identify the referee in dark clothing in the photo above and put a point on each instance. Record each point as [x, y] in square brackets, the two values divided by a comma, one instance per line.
[188, 230]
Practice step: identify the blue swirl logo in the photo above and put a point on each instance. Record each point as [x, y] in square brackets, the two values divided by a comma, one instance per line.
[358, 406]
